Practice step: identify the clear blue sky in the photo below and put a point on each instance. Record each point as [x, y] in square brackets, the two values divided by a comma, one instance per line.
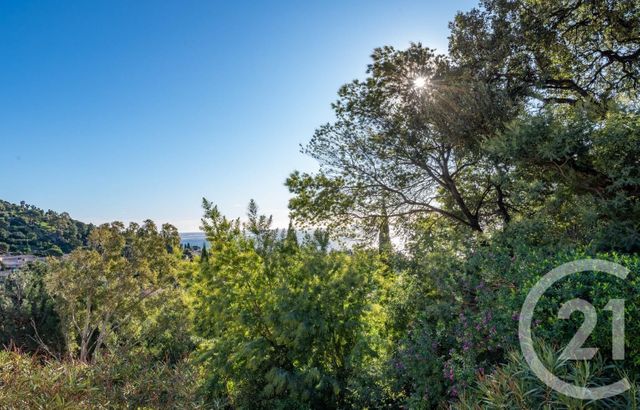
[127, 110]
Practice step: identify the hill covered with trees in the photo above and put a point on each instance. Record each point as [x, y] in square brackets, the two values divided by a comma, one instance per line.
[27, 229]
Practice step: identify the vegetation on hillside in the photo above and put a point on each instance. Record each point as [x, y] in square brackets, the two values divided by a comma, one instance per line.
[25, 229]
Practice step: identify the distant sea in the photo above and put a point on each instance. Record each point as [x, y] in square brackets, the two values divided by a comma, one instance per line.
[198, 238]
[193, 238]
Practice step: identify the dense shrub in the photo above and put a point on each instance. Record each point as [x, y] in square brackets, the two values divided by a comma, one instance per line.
[514, 386]
[467, 298]
[289, 325]
[28, 319]
[112, 382]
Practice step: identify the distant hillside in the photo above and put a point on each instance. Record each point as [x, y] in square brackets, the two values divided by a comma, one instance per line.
[27, 229]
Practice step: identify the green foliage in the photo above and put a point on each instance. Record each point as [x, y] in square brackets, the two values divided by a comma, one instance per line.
[397, 151]
[288, 325]
[590, 163]
[112, 383]
[119, 297]
[514, 154]
[29, 230]
[557, 51]
[461, 309]
[597, 288]
[162, 332]
[123, 277]
[28, 319]
[514, 386]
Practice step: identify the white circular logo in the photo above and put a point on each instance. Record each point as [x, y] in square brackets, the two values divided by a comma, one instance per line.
[574, 351]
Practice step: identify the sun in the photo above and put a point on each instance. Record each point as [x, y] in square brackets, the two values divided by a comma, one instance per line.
[420, 82]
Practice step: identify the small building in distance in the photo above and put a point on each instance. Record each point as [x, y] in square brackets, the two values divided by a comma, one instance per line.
[11, 263]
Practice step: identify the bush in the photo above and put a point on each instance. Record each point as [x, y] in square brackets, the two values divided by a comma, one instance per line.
[28, 319]
[113, 382]
[514, 386]
[464, 309]
[289, 325]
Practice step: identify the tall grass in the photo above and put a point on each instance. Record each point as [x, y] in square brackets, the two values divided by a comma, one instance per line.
[514, 386]
[35, 382]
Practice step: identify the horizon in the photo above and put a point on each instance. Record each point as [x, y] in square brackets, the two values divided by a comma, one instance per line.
[121, 111]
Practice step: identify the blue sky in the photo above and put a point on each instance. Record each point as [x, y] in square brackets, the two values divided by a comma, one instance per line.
[128, 110]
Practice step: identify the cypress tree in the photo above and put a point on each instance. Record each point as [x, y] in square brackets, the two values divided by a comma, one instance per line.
[204, 256]
[384, 235]
[291, 239]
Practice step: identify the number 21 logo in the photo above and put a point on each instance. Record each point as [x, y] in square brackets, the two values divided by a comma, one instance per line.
[574, 350]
